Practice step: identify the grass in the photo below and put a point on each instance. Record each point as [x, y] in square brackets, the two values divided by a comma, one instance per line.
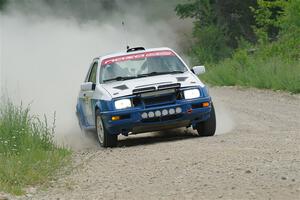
[273, 74]
[272, 66]
[28, 155]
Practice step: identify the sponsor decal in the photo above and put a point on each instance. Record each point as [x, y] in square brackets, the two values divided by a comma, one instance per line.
[137, 56]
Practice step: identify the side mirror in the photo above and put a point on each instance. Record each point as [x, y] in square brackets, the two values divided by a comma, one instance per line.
[87, 86]
[198, 70]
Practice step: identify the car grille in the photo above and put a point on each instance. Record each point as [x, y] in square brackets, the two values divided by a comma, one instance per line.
[143, 90]
[159, 100]
[166, 96]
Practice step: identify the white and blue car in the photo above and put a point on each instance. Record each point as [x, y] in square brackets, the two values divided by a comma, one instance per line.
[142, 90]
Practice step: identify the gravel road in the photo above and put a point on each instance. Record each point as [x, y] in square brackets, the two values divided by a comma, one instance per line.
[255, 155]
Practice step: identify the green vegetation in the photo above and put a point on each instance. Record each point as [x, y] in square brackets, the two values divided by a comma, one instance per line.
[2, 4]
[28, 155]
[273, 65]
[267, 57]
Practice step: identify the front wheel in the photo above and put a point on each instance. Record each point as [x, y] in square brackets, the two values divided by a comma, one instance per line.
[208, 127]
[104, 137]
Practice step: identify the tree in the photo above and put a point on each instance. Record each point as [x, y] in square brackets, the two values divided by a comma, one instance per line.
[218, 26]
[267, 16]
[2, 4]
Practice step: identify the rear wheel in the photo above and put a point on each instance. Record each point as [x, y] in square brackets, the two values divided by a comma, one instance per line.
[208, 127]
[104, 137]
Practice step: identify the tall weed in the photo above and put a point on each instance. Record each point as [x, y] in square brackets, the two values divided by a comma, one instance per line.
[28, 155]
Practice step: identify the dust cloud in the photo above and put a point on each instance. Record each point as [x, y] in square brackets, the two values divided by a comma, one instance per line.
[46, 50]
[225, 122]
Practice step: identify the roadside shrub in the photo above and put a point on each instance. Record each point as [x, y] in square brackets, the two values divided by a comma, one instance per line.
[28, 154]
[274, 73]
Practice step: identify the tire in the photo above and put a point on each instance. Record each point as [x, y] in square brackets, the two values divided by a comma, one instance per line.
[208, 127]
[104, 137]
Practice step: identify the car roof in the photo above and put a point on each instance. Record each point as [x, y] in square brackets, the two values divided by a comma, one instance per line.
[133, 52]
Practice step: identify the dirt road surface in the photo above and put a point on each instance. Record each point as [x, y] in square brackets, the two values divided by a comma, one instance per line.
[255, 155]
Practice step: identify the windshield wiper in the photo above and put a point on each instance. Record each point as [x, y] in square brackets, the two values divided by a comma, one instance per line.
[150, 74]
[160, 73]
[120, 78]
[177, 72]
[123, 78]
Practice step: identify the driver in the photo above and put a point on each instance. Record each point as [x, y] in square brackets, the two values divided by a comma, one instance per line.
[114, 70]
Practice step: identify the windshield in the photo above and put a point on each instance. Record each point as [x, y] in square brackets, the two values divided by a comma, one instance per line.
[140, 65]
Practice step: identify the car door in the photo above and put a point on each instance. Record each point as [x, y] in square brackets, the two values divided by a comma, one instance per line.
[87, 96]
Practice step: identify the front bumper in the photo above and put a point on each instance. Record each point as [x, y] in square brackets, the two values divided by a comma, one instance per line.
[191, 113]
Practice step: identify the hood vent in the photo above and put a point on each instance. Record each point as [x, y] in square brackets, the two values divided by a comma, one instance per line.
[181, 79]
[121, 87]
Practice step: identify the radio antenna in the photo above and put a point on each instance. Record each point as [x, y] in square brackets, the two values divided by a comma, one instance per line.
[125, 34]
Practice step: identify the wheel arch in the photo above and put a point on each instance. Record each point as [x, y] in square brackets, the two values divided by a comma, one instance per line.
[97, 106]
[102, 105]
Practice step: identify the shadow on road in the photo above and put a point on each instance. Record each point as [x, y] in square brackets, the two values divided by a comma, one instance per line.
[155, 137]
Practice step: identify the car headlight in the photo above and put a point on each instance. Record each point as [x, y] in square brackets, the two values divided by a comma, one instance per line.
[191, 94]
[123, 103]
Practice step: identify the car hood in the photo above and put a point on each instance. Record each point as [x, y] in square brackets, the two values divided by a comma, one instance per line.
[124, 88]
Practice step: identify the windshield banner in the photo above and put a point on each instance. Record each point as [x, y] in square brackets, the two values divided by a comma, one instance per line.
[137, 56]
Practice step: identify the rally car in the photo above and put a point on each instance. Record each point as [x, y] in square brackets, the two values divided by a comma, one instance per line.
[142, 90]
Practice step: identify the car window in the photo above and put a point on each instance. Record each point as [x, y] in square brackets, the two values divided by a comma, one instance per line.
[136, 67]
[93, 74]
